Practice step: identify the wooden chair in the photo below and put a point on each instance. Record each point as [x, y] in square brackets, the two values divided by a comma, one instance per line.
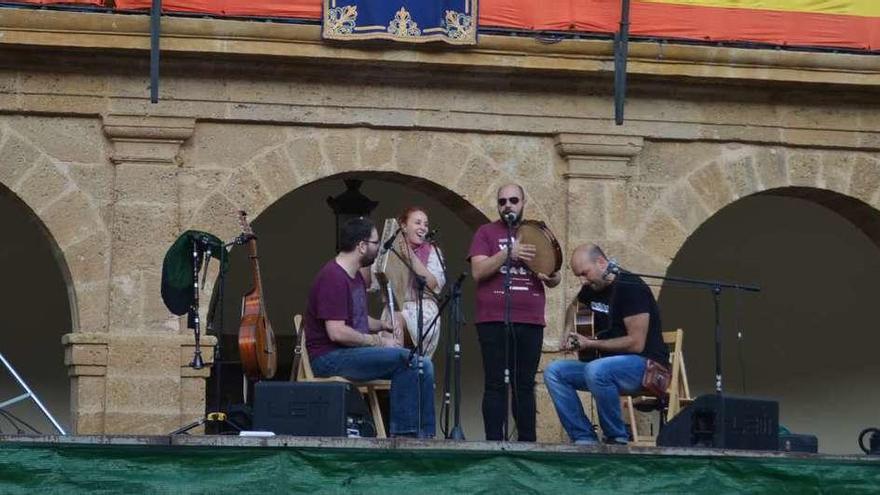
[679, 392]
[304, 373]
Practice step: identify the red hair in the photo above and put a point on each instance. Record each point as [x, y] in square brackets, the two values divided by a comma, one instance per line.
[401, 220]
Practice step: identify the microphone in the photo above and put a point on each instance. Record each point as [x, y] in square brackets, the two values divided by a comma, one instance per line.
[390, 241]
[613, 268]
[509, 217]
[432, 235]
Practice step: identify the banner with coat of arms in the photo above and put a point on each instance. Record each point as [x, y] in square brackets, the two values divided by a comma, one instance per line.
[413, 21]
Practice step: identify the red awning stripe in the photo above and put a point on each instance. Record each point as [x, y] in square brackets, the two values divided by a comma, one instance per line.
[658, 19]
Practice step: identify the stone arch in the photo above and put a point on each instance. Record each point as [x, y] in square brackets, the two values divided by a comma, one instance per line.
[52, 192]
[467, 167]
[296, 240]
[816, 259]
[844, 181]
[684, 197]
[459, 163]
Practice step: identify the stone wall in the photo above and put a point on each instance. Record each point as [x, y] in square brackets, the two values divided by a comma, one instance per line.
[115, 179]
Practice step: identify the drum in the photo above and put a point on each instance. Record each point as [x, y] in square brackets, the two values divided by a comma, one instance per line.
[548, 253]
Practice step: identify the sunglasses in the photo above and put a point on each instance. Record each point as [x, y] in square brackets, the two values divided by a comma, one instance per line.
[503, 201]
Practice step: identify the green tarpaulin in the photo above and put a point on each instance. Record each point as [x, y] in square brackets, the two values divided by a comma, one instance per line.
[175, 469]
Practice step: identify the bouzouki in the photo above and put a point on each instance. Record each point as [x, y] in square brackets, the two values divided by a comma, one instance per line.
[256, 341]
[393, 275]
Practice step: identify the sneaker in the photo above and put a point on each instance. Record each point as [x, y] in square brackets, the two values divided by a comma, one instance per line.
[586, 441]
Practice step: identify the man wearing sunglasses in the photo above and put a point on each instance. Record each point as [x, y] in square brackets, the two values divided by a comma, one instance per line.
[343, 340]
[488, 255]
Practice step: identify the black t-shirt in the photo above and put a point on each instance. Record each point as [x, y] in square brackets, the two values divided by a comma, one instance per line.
[627, 296]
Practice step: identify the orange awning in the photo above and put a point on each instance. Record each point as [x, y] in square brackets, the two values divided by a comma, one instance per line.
[829, 23]
[95, 3]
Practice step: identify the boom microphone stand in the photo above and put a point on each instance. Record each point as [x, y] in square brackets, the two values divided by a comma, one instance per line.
[453, 355]
[716, 287]
[452, 294]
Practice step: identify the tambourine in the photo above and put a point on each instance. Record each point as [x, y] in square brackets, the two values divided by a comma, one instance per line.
[548, 253]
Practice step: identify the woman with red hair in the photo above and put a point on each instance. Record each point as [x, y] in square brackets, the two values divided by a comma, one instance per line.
[427, 261]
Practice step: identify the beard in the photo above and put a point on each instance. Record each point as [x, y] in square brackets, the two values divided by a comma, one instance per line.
[368, 259]
[518, 218]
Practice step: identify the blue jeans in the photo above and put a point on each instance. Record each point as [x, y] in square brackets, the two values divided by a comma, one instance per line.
[605, 378]
[383, 363]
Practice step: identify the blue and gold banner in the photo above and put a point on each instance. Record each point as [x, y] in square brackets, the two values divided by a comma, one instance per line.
[413, 21]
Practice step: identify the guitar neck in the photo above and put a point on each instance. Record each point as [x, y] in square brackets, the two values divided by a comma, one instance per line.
[255, 265]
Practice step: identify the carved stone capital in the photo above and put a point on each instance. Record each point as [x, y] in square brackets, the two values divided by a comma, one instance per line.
[86, 354]
[598, 156]
[147, 139]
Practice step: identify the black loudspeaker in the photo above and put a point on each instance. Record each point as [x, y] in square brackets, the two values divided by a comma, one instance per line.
[311, 410]
[725, 422]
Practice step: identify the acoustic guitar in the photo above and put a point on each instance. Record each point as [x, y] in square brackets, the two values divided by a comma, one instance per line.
[585, 324]
[582, 322]
[256, 341]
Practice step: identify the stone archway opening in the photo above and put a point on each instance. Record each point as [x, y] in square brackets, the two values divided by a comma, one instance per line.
[36, 302]
[296, 237]
[809, 338]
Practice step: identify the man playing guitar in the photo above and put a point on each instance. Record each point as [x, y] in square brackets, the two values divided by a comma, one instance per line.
[627, 337]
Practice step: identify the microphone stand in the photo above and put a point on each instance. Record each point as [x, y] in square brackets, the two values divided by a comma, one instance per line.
[452, 294]
[716, 287]
[447, 371]
[453, 355]
[198, 248]
[453, 349]
[217, 415]
[508, 329]
[457, 321]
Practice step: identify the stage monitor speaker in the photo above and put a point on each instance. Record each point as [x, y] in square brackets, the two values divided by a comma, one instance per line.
[310, 409]
[725, 422]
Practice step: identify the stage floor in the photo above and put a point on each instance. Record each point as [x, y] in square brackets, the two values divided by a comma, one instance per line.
[283, 464]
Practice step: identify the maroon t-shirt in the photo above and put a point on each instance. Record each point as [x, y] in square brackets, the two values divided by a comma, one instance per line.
[526, 289]
[334, 296]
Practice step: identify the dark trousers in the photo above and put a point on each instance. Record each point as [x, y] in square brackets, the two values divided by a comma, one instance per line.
[523, 358]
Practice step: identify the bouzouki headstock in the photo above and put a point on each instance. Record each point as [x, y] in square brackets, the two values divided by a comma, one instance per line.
[247, 233]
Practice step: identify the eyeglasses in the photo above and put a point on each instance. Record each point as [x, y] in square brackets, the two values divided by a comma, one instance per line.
[372, 242]
[503, 201]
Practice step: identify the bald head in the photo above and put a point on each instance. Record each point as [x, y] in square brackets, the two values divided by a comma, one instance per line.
[506, 187]
[588, 252]
[589, 263]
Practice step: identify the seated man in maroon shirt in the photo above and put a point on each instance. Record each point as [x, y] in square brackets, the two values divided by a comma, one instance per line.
[343, 340]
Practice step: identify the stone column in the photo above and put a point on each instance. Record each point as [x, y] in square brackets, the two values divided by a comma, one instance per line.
[598, 166]
[147, 389]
